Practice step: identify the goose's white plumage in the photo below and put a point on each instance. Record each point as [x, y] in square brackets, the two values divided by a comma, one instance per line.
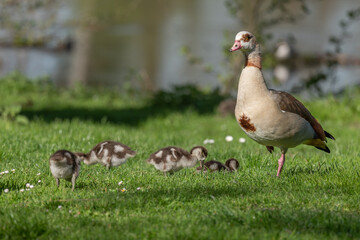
[272, 118]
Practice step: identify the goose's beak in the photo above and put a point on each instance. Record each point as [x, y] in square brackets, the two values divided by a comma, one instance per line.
[236, 46]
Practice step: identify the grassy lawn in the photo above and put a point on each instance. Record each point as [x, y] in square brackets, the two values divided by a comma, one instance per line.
[317, 196]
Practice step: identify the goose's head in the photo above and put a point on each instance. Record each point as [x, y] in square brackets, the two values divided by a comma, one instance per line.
[245, 41]
[200, 153]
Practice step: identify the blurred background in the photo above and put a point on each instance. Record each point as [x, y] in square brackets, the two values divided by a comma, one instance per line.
[310, 47]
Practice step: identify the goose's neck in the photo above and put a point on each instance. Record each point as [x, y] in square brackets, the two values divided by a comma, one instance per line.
[253, 59]
[252, 86]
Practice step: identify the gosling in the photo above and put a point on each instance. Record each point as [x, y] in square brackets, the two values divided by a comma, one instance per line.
[108, 153]
[172, 159]
[212, 166]
[65, 165]
[232, 165]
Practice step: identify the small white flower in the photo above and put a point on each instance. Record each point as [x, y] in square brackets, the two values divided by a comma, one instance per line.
[22, 190]
[13, 170]
[6, 171]
[139, 188]
[59, 206]
[28, 185]
[38, 174]
[39, 181]
[31, 186]
[242, 140]
[6, 190]
[211, 141]
[229, 138]
[2, 173]
[27, 189]
[119, 183]
[123, 190]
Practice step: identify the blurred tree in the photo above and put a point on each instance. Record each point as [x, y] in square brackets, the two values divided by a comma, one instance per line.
[332, 57]
[257, 16]
[97, 23]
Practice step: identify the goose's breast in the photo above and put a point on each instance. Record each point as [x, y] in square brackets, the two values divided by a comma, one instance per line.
[275, 128]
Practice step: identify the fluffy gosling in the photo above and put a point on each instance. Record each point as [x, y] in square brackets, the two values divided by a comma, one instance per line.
[65, 165]
[172, 159]
[108, 153]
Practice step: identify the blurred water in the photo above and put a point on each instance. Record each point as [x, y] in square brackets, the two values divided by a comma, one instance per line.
[36, 63]
[144, 45]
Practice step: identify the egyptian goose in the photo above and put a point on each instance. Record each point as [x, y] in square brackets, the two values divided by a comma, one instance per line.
[272, 118]
[212, 166]
[107, 153]
[65, 165]
[232, 164]
[172, 159]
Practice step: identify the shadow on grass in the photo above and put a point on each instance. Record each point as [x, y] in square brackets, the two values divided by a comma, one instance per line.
[127, 116]
[161, 104]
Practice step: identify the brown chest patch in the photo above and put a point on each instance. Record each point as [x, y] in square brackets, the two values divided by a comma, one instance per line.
[246, 124]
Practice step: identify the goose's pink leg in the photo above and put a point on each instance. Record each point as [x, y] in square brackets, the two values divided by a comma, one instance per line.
[281, 162]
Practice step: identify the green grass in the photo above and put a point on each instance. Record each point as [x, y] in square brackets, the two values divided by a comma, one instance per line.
[317, 196]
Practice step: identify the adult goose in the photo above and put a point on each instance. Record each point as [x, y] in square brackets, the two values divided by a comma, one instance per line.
[272, 118]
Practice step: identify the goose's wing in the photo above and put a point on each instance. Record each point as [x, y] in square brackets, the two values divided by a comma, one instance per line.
[288, 103]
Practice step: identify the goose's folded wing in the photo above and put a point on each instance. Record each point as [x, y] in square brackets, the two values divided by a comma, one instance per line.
[288, 103]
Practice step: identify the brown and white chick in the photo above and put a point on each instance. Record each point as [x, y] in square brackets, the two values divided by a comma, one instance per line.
[212, 166]
[65, 165]
[108, 153]
[232, 165]
[172, 159]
